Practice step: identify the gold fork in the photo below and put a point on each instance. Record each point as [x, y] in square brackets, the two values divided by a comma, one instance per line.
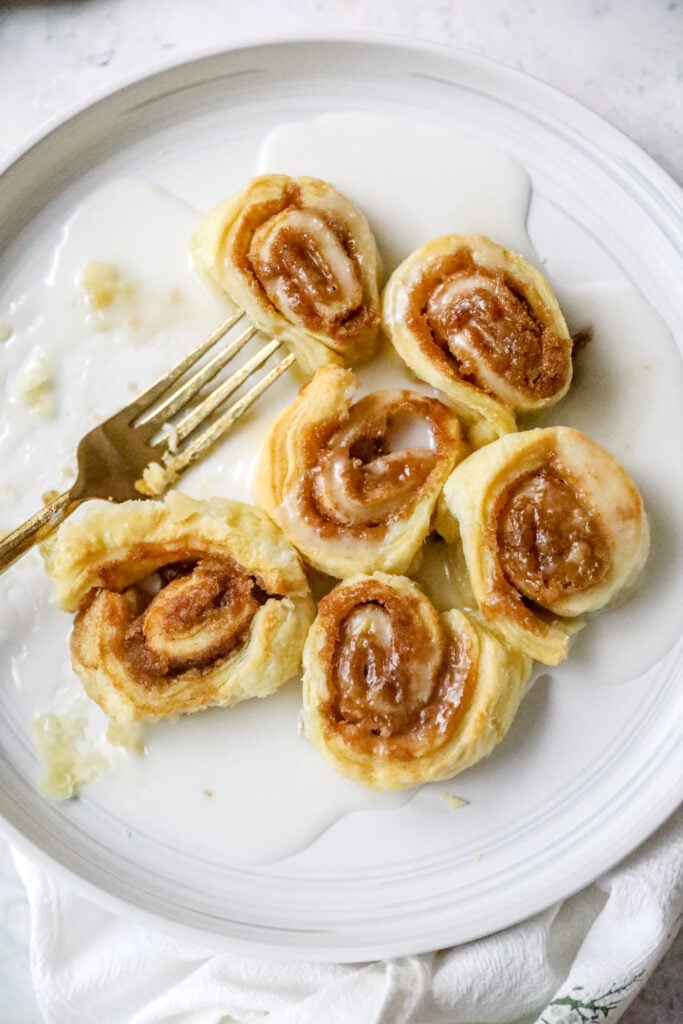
[113, 457]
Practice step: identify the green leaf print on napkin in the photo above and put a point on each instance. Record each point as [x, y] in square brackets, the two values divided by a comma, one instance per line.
[581, 1010]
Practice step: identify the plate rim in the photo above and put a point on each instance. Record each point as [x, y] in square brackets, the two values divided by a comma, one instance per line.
[614, 143]
[392, 40]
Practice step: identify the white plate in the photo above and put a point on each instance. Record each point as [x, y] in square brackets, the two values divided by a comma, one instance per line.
[588, 771]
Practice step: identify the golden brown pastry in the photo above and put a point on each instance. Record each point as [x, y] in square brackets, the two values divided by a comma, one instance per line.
[396, 694]
[300, 259]
[353, 486]
[180, 604]
[552, 527]
[481, 324]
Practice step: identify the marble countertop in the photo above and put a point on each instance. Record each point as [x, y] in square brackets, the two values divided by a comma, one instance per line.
[623, 59]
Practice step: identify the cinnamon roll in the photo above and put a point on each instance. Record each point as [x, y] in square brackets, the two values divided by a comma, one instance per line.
[396, 694]
[354, 486]
[552, 527]
[301, 261]
[481, 324]
[180, 604]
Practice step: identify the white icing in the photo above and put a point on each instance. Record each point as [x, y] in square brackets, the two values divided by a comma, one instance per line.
[370, 621]
[412, 183]
[409, 432]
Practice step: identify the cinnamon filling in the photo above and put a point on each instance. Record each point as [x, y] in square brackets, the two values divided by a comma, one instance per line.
[396, 680]
[184, 615]
[371, 469]
[550, 544]
[305, 261]
[480, 320]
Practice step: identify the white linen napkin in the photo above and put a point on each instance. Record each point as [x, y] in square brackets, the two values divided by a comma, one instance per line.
[580, 962]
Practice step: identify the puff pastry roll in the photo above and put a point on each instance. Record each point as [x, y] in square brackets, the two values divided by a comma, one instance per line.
[481, 324]
[396, 694]
[180, 604]
[552, 527]
[300, 259]
[354, 486]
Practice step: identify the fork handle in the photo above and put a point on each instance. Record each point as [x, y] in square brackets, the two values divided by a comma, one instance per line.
[35, 529]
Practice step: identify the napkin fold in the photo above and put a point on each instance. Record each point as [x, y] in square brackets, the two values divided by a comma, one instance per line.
[580, 962]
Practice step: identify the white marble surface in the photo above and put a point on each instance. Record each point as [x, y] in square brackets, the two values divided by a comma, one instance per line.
[623, 58]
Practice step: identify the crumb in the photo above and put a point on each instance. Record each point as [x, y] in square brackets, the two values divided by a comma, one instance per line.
[156, 478]
[127, 833]
[171, 437]
[103, 285]
[479, 857]
[49, 496]
[208, 792]
[34, 383]
[68, 760]
[68, 472]
[6, 332]
[135, 322]
[132, 387]
[8, 491]
[455, 801]
[175, 296]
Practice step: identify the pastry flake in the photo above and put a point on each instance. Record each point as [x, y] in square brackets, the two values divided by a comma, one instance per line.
[354, 485]
[552, 527]
[300, 259]
[482, 325]
[179, 604]
[396, 694]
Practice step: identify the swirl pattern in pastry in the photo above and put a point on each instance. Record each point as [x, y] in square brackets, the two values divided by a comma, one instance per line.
[552, 527]
[300, 259]
[354, 486]
[481, 324]
[180, 604]
[396, 694]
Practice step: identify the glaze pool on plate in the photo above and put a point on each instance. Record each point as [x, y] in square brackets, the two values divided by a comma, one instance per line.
[579, 754]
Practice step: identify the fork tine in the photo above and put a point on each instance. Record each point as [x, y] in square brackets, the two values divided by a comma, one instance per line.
[184, 394]
[182, 460]
[200, 412]
[155, 391]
